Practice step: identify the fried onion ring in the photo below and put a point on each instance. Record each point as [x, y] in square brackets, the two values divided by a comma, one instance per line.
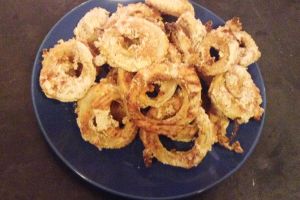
[225, 45]
[185, 159]
[133, 44]
[68, 71]
[96, 122]
[235, 94]
[185, 77]
[91, 26]
[248, 51]
[174, 7]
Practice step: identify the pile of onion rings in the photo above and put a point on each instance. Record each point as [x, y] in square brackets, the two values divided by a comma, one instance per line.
[153, 87]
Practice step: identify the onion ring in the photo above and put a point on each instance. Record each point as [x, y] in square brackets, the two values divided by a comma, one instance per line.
[96, 122]
[226, 46]
[133, 44]
[187, 159]
[235, 94]
[249, 52]
[68, 71]
[174, 7]
[91, 26]
[185, 77]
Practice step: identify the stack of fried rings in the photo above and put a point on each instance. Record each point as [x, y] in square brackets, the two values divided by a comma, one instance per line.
[147, 57]
[180, 118]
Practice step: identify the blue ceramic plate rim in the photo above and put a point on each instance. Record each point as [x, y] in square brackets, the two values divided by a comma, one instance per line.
[39, 101]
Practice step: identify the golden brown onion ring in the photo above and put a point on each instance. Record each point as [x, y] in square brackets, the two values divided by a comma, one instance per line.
[68, 71]
[185, 159]
[96, 122]
[133, 44]
[248, 51]
[174, 7]
[225, 45]
[186, 78]
[235, 94]
[91, 26]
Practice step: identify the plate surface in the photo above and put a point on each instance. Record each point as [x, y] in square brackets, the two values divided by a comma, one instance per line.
[123, 172]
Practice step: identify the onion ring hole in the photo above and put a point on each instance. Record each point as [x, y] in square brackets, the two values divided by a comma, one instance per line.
[242, 44]
[103, 73]
[118, 113]
[170, 144]
[144, 111]
[214, 53]
[155, 92]
[129, 42]
[75, 72]
[72, 71]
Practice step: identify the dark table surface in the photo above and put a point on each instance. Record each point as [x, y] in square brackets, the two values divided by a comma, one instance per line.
[29, 169]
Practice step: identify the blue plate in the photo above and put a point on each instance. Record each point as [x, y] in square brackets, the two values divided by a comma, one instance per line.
[123, 171]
